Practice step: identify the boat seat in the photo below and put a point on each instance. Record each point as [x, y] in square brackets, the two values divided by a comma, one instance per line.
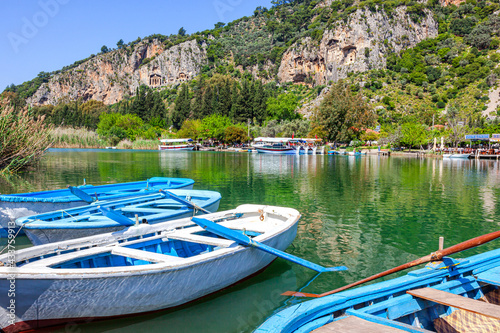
[491, 276]
[188, 237]
[353, 324]
[457, 301]
[144, 255]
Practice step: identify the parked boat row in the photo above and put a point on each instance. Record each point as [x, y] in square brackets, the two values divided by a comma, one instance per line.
[145, 246]
[133, 248]
[13, 206]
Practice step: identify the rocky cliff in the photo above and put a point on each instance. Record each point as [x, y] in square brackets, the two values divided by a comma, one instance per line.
[108, 77]
[356, 46]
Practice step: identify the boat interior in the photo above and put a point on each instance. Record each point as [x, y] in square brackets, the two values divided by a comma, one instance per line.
[462, 302]
[160, 246]
[151, 206]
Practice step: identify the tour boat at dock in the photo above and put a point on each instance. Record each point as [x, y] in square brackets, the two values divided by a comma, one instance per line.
[176, 144]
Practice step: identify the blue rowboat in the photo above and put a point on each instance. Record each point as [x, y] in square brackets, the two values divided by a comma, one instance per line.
[442, 297]
[140, 269]
[90, 220]
[13, 206]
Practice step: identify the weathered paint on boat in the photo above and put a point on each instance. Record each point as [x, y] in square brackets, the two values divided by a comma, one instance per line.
[387, 303]
[13, 206]
[48, 291]
[89, 220]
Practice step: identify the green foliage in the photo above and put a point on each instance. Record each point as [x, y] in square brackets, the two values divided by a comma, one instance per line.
[235, 134]
[343, 114]
[182, 107]
[479, 37]
[414, 134]
[214, 127]
[282, 107]
[190, 129]
[116, 127]
[462, 27]
[24, 138]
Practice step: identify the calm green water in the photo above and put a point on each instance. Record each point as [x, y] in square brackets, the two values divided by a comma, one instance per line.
[367, 213]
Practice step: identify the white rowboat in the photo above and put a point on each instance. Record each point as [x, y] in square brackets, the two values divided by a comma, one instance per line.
[140, 269]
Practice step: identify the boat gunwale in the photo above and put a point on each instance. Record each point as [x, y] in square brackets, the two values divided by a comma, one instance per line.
[31, 196]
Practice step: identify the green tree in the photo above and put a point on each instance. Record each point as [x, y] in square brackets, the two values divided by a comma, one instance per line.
[104, 49]
[190, 129]
[343, 114]
[214, 126]
[120, 43]
[182, 107]
[282, 107]
[414, 134]
[182, 32]
[235, 134]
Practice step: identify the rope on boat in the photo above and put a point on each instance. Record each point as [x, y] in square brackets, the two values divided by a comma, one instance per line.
[62, 215]
[13, 240]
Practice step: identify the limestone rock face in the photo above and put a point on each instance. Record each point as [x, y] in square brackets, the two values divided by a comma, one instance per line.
[108, 77]
[451, 2]
[356, 46]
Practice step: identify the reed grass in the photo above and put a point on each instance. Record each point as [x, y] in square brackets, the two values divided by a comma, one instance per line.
[145, 144]
[23, 139]
[68, 137]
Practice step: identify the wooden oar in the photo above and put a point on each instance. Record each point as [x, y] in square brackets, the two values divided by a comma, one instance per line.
[80, 194]
[186, 202]
[247, 241]
[438, 255]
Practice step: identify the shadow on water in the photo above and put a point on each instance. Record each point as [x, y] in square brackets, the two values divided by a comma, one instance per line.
[368, 213]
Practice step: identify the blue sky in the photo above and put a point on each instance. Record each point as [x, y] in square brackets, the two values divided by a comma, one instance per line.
[45, 35]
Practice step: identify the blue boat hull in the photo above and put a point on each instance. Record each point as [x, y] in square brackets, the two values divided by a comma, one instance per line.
[14, 206]
[89, 220]
[47, 235]
[387, 303]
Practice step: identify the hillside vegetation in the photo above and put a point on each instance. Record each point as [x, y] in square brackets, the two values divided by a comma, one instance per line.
[273, 72]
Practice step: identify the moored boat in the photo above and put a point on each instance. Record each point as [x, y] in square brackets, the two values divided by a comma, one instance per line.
[464, 156]
[18, 205]
[140, 269]
[276, 148]
[90, 220]
[442, 297]
[176, 144]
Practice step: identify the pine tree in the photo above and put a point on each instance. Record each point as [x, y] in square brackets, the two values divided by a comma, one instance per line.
[182, 107]
[197, 107]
